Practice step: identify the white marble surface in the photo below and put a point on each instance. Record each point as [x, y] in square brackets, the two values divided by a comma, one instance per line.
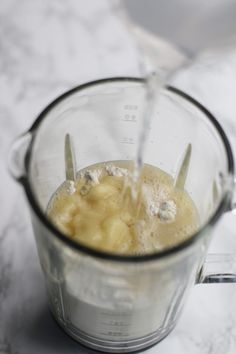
[47, 47]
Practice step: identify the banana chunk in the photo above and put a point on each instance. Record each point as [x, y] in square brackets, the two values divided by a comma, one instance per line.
[102, 191]
[117, 234]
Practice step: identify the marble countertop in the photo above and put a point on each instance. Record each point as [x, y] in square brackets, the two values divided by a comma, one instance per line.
[47, 47]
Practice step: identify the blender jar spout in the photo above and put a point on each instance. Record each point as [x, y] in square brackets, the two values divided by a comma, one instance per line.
[17, 156]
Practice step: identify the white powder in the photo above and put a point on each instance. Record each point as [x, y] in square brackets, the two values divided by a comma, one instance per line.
[167, 211]
[116, 171]
[91, 176]
[153, 197]
[157, 203]
[153, 209]
[71, 187]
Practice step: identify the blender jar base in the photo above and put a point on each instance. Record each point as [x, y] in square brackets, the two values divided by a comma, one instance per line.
[129, 346]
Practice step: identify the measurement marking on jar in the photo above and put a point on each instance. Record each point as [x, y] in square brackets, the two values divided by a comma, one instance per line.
[122, 314]
[114, 334]
[131, 107]
[127, 141]
[115, 324]
[129, 118]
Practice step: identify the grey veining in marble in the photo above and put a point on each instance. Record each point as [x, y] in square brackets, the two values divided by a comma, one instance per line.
[47, 47]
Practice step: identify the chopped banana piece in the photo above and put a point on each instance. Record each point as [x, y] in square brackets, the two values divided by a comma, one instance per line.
[117, 233]
[102, 191]
[127, 218]
[90, 234]
[114, 181]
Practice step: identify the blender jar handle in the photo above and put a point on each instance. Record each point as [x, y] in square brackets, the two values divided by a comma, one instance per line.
[219, 268]
[17, 156]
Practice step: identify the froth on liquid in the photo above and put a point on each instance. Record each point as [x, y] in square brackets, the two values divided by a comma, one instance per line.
[100, 210]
